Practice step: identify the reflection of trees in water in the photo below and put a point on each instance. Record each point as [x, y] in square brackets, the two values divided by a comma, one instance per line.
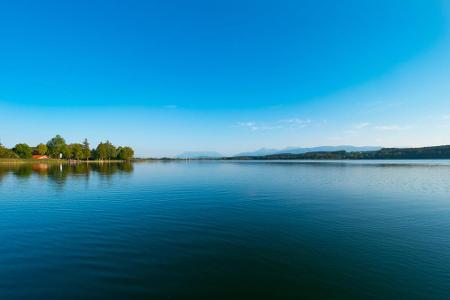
[23, 171]
[60, 172]
[57, 173]
[111, 168]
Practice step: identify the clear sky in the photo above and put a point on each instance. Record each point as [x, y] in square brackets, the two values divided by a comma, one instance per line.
[229, 76]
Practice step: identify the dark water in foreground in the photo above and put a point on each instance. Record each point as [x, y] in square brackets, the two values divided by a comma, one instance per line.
[225, 230]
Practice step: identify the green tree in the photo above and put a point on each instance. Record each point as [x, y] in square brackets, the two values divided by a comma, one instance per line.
[23, 150]
[6, 153]
[86, 150]
[94, 153]
[41, 149]
[76, 151]
[101, 152]
[66, 152]
[125, 153]
[110, 150]
[56, 146]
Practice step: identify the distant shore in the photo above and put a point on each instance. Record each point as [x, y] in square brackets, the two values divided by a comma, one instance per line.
[434, 152]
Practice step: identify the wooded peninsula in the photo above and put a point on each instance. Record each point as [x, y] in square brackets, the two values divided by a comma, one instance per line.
[57, 148]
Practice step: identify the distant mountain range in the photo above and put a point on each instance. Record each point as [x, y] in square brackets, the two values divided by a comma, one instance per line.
[435, 152]
[300, 150]
[269, 151]
[199, 154]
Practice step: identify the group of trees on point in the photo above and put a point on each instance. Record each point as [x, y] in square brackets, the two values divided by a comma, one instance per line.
[57, 147]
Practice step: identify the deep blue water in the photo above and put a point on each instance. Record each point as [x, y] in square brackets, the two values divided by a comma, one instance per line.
[226, 230]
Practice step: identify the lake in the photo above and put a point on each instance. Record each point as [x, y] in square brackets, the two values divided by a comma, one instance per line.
[226, 230]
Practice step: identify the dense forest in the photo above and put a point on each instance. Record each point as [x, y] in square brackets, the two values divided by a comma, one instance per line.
[437, 152]
[58, 148]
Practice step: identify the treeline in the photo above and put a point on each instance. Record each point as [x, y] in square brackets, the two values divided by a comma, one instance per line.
[437, 152]
[58, 148]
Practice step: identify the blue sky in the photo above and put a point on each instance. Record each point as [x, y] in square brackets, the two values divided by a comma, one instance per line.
[228, 76]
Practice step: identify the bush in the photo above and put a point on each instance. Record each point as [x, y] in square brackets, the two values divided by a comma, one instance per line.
[23, 150]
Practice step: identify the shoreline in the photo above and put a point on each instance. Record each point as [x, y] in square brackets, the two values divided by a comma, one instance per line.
[230, 159]
[57, 161]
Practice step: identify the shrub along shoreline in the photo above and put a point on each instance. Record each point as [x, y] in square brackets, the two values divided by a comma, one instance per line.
[56, 149]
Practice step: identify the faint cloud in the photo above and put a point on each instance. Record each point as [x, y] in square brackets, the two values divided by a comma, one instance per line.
[255, 127]
[249, 125]
[350, 132]
[378, 105]
[294, 123]
[355, 130]
[446, 117]
[392, 127]
[361, 125]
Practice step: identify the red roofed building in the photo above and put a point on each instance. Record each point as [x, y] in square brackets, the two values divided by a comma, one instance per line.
[40, 157]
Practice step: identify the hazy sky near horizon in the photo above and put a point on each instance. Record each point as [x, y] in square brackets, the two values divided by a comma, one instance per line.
[229, 76]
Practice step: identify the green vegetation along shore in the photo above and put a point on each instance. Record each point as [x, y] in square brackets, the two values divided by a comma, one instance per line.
[437, 152]
[57, 149]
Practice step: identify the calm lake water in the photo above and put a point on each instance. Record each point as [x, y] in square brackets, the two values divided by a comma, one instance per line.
[226, 230]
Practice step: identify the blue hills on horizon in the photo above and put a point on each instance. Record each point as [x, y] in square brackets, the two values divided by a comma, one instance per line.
[301, 150]
[269, 151]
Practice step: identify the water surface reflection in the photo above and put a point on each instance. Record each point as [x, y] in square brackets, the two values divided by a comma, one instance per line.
[61, 172]
[225, 230]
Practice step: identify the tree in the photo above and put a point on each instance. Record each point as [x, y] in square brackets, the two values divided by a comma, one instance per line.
[6, 153]
[41, 149]
[94, 153]
[66, 152]
[23, 150]
[110, 150]
[56, 146]
[86, 150]
[76, 151]
[101, 152]
[125, 153]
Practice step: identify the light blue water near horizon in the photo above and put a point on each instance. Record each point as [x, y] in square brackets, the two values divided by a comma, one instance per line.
[217, 229]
